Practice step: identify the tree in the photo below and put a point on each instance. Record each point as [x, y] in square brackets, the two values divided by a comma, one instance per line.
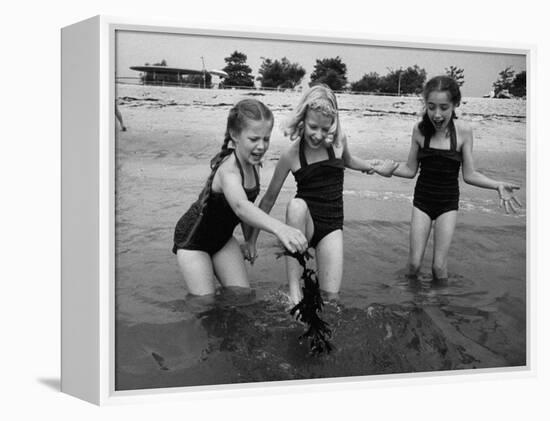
[404, 81]
[456, 73]
[330, 71]
[280, 74]
[239, 73]
[504, 82]
[162, 63]
[368, 83]
[519, 85]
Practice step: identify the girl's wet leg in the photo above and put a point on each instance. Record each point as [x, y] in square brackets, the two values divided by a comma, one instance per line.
[443, 234]
[297, 216]
[330, 262]
[197, 271]
[419, 234]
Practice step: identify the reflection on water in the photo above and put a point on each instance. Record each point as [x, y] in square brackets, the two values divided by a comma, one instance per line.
[235, 337]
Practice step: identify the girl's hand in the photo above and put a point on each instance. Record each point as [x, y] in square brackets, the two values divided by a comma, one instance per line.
[386, 168]
[374, 163]
[249, 252]
[507, 199]
[293, 239]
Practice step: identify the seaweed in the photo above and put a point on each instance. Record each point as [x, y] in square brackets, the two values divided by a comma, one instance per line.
[309, 308]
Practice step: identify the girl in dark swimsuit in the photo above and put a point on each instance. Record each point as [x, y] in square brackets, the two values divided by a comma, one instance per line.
[439, 146]
[203, 238]
[317, 161]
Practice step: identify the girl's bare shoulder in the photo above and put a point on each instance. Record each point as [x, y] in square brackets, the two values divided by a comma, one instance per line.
[290, 156]
[339, 147]
[463, 127]
[463, 134]
[417, 135]
[228, 167]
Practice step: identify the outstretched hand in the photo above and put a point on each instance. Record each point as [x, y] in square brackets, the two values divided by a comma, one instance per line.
[507, 198]
[385, 168]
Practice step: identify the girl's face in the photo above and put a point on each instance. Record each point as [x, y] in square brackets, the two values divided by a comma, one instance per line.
[440, 109]
[316, 128]
[253, 141]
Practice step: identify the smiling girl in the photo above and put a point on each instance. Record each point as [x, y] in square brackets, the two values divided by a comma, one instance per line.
[203, 238]
[317, 160]
[439, 146]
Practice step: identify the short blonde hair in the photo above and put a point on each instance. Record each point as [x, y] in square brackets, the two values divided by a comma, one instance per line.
[318, 98]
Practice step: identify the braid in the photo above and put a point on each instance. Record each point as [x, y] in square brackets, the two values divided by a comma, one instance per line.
[247, 109]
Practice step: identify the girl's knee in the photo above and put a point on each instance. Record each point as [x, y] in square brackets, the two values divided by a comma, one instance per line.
[296, 211]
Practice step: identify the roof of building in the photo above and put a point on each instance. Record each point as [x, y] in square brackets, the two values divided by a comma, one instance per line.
[176, 70]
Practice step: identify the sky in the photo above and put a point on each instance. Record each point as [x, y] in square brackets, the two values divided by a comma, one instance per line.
[135, 48]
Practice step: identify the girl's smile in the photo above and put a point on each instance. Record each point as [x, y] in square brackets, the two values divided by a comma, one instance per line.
[316, 128]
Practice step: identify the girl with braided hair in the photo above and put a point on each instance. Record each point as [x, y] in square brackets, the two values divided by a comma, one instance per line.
[203, 238]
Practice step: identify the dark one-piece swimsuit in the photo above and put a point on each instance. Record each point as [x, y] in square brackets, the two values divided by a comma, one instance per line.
[320, 185]
[436, 190]
[218, 223]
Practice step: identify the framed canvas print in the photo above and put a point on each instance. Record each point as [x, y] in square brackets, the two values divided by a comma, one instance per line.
[245, 209]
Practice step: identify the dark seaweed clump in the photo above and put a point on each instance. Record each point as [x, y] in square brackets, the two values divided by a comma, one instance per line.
[309, 308]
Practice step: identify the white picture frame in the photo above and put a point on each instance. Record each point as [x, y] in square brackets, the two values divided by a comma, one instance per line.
[88, 208]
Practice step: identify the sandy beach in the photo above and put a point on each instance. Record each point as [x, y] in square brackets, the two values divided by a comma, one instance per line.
[381, 324]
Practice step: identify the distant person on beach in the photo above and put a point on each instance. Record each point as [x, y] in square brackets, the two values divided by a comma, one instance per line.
[317, 160]
[439, 146]
[203, 238]
[119, 118]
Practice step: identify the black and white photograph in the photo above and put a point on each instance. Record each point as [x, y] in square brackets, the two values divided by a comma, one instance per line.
[302, 209]
[275, 210]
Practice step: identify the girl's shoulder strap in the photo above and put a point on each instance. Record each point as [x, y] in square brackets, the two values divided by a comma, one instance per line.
[302, 154]
[427, 138]
[239, 166]
[256, 176]
[330, 151]
[241, 171]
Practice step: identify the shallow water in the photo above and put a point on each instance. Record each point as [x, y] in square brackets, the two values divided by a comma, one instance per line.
[382, 322]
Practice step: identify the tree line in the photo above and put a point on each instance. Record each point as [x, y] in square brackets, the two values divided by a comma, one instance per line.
[284, 74]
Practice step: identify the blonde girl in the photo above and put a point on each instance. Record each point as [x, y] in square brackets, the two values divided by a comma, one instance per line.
[317, 159]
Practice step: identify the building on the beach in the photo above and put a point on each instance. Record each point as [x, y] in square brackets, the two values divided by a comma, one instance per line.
[173, 76]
